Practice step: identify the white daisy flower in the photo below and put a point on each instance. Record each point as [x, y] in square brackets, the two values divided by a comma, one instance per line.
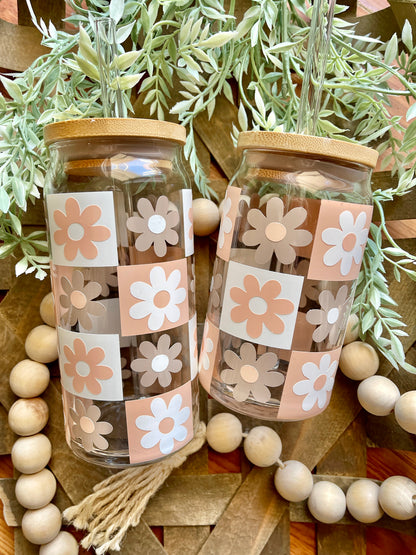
[159, 299]
[165, 425]
[226, 224]
[206, 351]
[349, 241]
[319, 382]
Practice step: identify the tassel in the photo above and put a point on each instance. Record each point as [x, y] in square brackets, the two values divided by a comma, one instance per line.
[119, 501]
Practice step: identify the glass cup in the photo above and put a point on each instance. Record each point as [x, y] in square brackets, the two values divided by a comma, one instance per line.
[119, 217]
[295, 222]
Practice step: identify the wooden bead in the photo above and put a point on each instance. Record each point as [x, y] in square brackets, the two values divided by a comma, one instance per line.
[28, 416]
[42, 344]
[358, 360]
[378, 395]
[262, 446]
[29, 378]
[362, 501]
[31, 454]
[206, 216]
[224, 432]
[327, 502]
[352, 331]
[397, 497]
[47, 310]
[34, 491]
[64, 544]
[405, 411]
[294, 481]
[41, 526]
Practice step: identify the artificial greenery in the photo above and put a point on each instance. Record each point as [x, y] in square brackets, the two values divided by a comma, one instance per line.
[185, 53]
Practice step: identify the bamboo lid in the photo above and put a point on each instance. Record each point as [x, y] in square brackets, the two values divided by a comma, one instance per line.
[114, 127]
[308, 144]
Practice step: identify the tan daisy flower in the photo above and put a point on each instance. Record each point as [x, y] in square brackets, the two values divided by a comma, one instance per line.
[330, 317]
[159, 363]
[87, 428]
[106, 277]
[310, 287]
[154, 225]
[78, 300]
[276, 232]
[215, 289]
[251, 375]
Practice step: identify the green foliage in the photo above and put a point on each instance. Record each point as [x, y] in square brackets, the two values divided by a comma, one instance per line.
[185, 54]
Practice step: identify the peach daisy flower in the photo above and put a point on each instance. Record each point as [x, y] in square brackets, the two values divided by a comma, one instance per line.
[77, 230]
[260, 306]
[83, 366]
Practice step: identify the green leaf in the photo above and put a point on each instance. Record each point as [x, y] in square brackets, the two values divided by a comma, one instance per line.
[85, 47]
[19, 192]
[368, 321]
[21, 266]
[4, 200]
[182, 106]
[6, 250]
[16, 225]
[217, 40]
[123, 32]
[391, 50]
[126, 81]
[407, 36]
[242, 118]
[124, 61]
[87, 68]
[284, 47]
[12, 89]
[116, 10]
[259, 103]
[411, 112]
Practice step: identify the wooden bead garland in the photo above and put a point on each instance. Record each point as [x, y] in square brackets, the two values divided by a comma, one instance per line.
[327, 502]
[294, 481]
[32, 453]
[64, 544]
[224, 432]
[206, 216]
[42, 344]
[42, 525]
[362, 501]
[36, 486]
[377, 394]
[262, 446]
[405, 411]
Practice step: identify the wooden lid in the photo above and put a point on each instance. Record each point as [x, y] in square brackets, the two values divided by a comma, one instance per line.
[114, 127]
[308, 144]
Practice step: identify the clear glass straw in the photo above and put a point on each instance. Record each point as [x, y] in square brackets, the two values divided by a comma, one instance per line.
[315, 67]
[111, 99]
